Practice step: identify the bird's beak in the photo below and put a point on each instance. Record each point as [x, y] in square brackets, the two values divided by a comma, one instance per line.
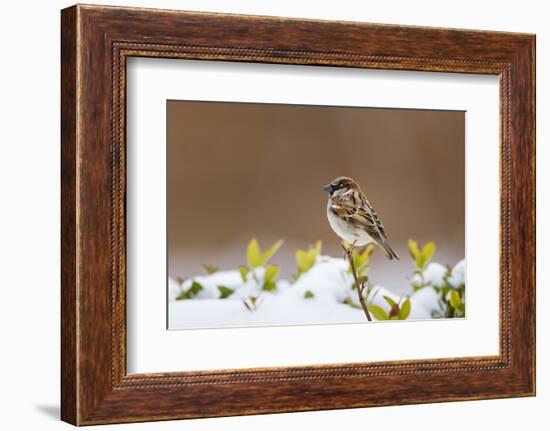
[328, 188]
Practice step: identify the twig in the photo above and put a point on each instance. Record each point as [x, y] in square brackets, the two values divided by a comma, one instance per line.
[360, 286]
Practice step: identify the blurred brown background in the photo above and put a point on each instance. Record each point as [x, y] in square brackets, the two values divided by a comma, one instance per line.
[237, 171]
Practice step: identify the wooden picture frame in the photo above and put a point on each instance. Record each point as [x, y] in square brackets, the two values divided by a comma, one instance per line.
[95, 43]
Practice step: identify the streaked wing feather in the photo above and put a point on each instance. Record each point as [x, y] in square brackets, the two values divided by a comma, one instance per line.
[377, 221]
[357, 210]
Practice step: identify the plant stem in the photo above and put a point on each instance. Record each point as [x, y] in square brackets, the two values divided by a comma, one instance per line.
[360, 287]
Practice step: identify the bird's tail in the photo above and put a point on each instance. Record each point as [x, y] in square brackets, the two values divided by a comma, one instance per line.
[389, 251]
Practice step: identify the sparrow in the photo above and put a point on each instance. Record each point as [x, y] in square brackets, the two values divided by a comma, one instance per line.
[352, 217]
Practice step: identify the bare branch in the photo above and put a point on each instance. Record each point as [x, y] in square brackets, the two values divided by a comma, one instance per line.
[360, 286]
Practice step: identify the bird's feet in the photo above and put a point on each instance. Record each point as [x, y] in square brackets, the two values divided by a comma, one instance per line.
[348, 251]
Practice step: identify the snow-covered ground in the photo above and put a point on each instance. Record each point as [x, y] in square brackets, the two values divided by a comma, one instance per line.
[321, 295]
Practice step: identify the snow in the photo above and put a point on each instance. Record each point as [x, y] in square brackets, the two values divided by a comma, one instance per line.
[435, 274]
[458, 274]
[328, 280]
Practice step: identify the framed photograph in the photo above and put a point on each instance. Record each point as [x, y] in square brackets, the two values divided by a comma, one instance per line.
[266, 215]
[305, 277]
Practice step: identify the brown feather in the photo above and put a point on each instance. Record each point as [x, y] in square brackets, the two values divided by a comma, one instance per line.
[354, 207]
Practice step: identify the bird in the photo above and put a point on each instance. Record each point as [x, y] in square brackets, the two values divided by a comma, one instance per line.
[353, 218]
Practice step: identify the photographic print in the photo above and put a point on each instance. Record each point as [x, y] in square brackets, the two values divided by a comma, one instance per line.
[299, 215]
[239, 208]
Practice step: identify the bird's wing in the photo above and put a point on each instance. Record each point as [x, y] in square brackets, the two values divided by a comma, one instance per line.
[368, 209]
[354, 207]
[346, 204]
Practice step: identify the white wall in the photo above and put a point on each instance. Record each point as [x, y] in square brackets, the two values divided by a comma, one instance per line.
[29, 227]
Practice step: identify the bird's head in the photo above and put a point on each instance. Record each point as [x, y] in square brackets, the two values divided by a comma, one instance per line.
[341, 185]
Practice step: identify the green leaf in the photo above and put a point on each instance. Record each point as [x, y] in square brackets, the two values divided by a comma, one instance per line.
[225, 291]
[455, 299]
[367, 252]
[361, 259]
[312, 257]
[405, 309]
[305, 259]
[302, 261]
[244, 272]
[359, 262]
[271, 272]
[318, 247]
[209, 269]
[253, 254]
[378, 312]
[269, 286]
[308, 294]
[421, 257]
[195, 288]
[413, 249]
[428, 251]
[268, 254]
[390, 301]
[191, 292]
